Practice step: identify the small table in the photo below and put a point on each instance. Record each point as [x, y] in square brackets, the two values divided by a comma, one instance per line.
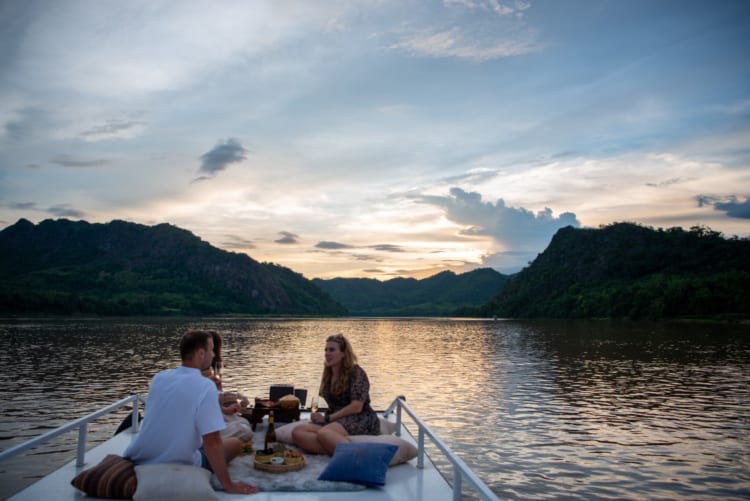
[256, 414]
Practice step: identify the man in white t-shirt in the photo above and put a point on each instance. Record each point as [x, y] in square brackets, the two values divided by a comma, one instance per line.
[183, 421]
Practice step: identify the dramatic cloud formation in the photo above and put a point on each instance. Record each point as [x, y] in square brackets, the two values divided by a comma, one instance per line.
[731, 205]
[516, 227]
[287, 238]
[222, 155]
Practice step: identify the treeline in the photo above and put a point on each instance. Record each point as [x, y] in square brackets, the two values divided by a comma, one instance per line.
[622, 270]
[122, 268]
[443, 294]
[629, 271]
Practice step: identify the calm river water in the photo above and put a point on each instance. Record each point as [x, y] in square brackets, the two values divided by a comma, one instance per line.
[542, 410]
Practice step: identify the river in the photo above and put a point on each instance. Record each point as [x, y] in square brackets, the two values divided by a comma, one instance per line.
[540, 410]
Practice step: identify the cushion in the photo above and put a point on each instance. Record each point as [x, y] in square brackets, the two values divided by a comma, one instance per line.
[361, 463]
[406, 450]
[173, 482]
[114, 478]
[284, 433]
[386, 427]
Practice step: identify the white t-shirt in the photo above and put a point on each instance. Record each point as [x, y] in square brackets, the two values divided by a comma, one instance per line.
[182, 406]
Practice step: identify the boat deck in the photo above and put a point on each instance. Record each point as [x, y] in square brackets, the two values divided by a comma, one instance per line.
[404, 481]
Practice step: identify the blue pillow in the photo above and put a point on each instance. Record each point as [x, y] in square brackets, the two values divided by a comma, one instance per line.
[360, 463]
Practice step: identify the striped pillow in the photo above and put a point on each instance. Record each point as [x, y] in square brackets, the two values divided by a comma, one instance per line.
[113, 478]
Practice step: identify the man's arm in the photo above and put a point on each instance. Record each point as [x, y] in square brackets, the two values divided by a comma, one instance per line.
[213, 447]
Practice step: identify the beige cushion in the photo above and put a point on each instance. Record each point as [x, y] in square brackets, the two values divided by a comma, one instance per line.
[406, 450]
[386, 427]
[173, 482]
[284, 433]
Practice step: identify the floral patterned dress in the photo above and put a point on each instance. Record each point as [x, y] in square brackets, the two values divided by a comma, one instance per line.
[364, 423]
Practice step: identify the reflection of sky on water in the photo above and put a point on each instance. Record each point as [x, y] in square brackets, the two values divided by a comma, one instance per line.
[583, 409]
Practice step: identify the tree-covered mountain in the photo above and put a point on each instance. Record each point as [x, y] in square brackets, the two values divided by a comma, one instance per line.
[122, 268]
[628, 271]
[443, 294]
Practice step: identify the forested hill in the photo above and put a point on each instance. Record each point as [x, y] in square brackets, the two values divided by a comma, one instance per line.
[443, 294]
[122, 268]
[629, 271]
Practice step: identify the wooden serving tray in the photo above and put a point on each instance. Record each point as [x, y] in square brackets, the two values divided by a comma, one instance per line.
[279, 468]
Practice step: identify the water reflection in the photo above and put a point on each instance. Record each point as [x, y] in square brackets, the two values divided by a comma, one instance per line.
[538, 409]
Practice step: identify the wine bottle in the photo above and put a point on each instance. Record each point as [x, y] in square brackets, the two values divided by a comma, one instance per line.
[270, 440]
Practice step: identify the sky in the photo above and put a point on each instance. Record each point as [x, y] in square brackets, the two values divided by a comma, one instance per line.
[377, 138]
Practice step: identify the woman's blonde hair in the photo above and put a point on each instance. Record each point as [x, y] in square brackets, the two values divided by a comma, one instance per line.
[347, 363]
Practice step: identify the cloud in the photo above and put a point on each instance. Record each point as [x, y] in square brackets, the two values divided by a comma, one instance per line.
[287, 238]
[23, 205]
[373, 270]
[113, 129]
[668, 182]
[64, 210]
[500, 8]
[221, 156]
[515, 228]
[454, 43]
[387, 248]
[730, 205]
[22, 124]
[237, 242]
[60, 210]
[379, 247]
[475, 30]
[332, 245]
[72, 161]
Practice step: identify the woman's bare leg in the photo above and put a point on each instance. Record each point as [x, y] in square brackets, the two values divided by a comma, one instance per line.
[330, 435]
[305, 436]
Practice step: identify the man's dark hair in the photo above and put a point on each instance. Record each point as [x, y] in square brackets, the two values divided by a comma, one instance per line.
[192, 341]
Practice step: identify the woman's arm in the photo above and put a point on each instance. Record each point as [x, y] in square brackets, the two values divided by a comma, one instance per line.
[360, 393]
[354, 407]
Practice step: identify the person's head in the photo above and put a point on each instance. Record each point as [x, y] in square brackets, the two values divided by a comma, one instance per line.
[217, 361]
[339, 358]
[197, 349]
[230, 403]
[338, 352]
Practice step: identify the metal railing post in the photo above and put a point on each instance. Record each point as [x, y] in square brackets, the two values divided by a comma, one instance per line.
[81, 450]
[398, 419]
[420, 448]
[135, 423]
[456, 484]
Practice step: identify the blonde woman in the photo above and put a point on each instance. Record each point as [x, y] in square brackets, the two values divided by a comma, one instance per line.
[346, 389]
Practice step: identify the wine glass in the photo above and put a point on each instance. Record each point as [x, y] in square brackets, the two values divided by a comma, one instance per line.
[314, 404]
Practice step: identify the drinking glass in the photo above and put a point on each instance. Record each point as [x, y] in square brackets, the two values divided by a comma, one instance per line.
[314, 404]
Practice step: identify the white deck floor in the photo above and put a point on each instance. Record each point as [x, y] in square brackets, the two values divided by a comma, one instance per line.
[403, 482]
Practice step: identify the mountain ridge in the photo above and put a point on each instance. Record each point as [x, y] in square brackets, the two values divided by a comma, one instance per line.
[625, 270]
[122, 268]
[443, 294]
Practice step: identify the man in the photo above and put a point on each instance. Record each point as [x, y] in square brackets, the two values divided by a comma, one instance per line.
[183, 414]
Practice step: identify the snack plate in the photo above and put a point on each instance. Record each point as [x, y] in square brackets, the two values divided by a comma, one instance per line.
[279, 468]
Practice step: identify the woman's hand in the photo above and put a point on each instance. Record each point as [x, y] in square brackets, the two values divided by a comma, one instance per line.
[317, 418]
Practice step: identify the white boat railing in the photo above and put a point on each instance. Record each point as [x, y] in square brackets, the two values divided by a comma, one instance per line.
[82, 425]
[460, 469]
